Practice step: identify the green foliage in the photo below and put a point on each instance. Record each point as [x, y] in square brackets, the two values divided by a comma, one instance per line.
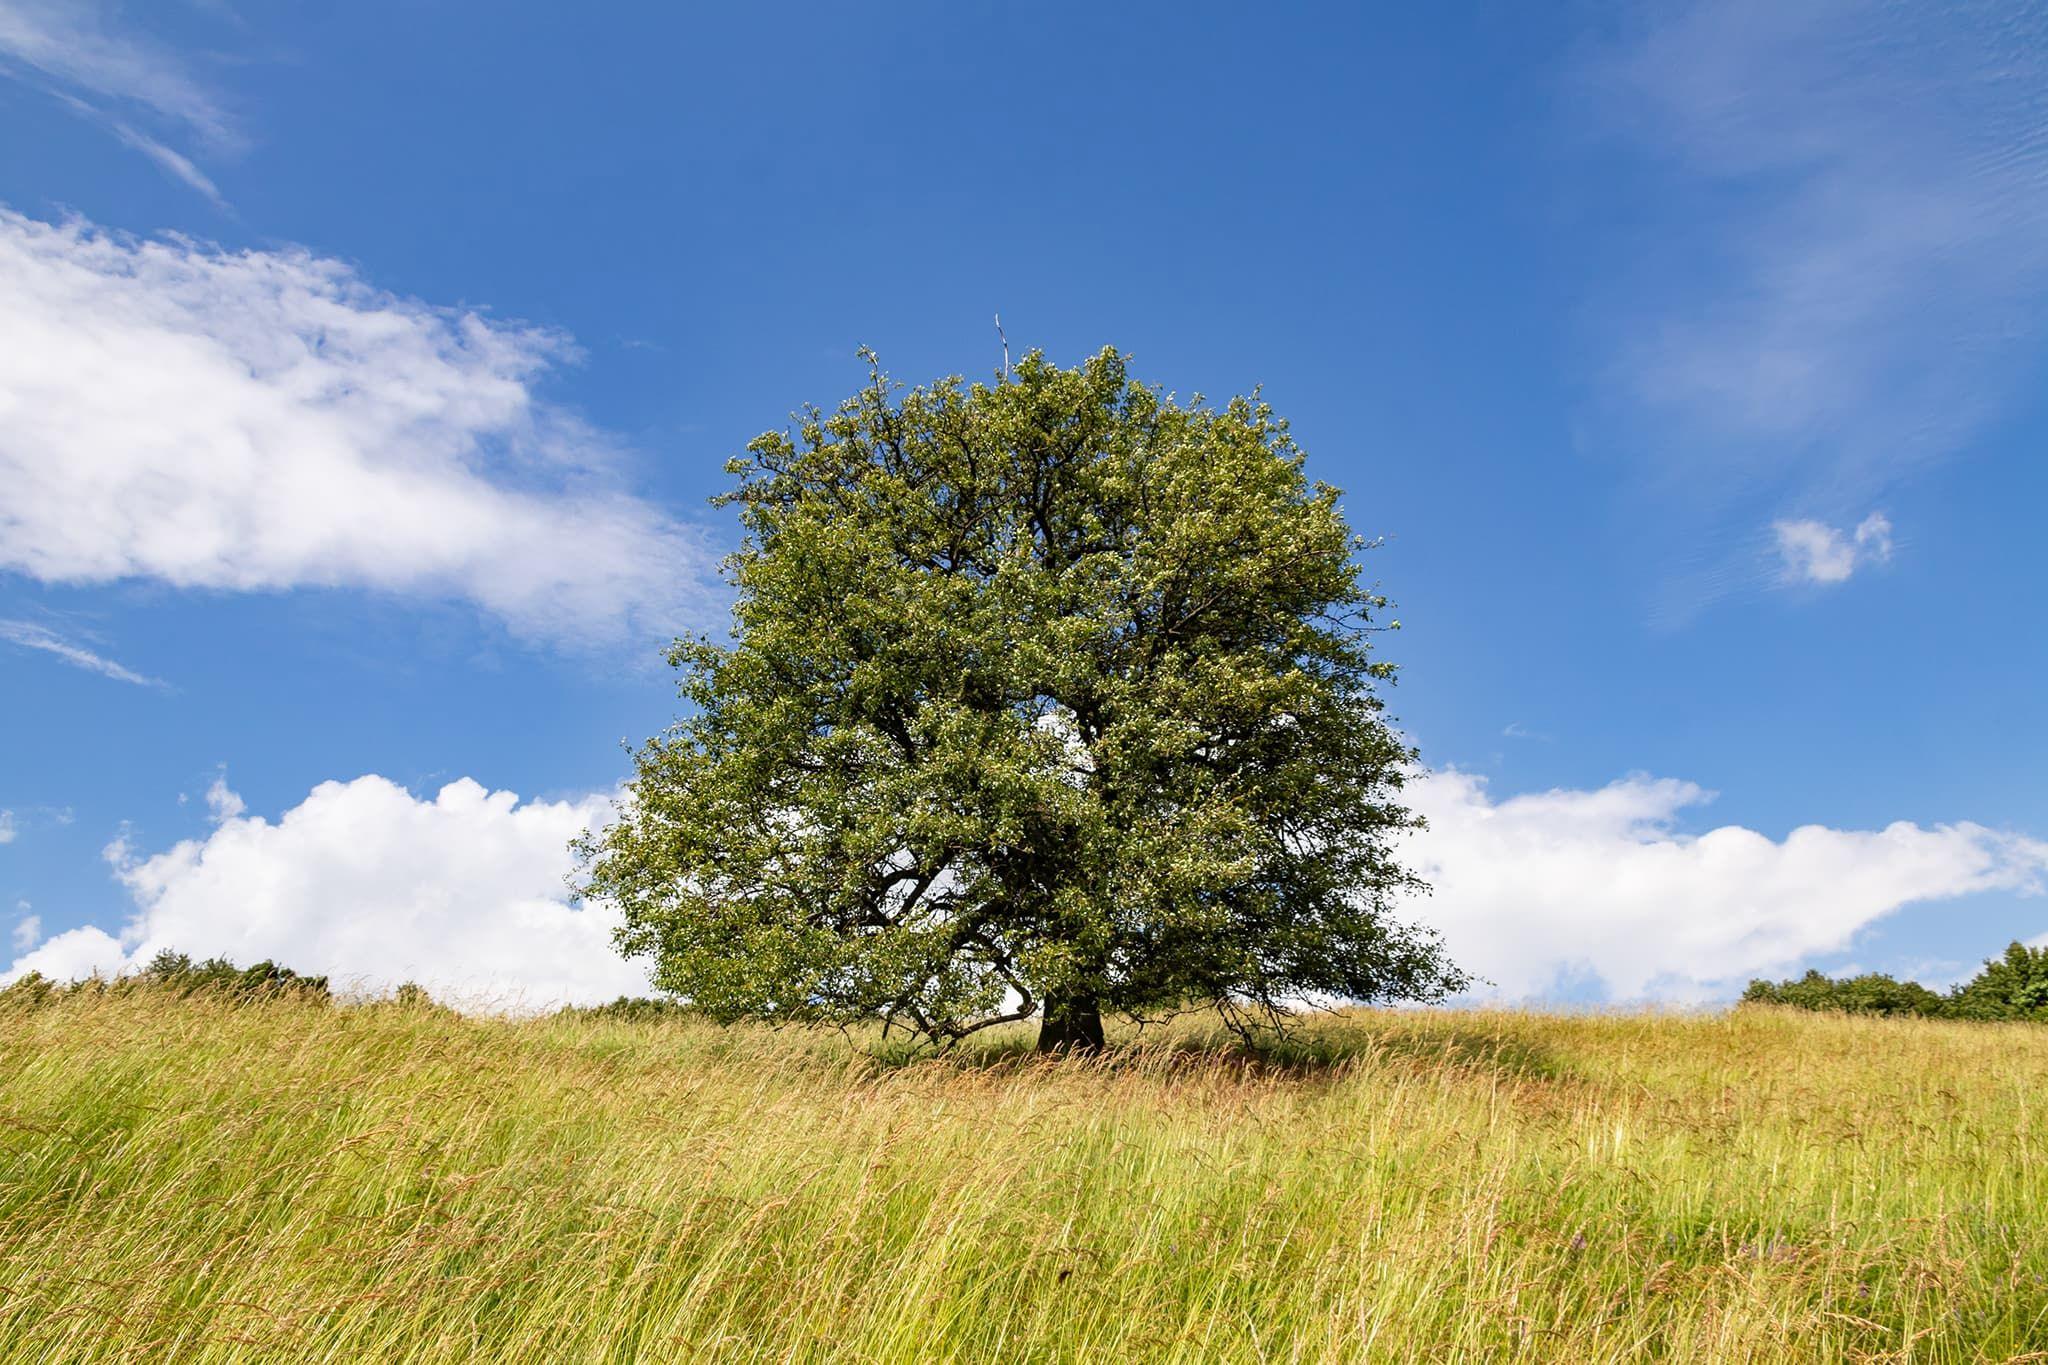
[2011, 987]
[1871, 993]
[1048, 692]
[31, 991]
[177, 974]
[2014, 986]
[633, 1007]
[413, 996]
[174, 971]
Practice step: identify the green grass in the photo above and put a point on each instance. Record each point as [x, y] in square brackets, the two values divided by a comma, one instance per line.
[196, 1181]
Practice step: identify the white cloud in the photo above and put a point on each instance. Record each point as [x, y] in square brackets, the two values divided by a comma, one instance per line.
[7, 829]
[72, 47]
[71, 43]
[1539, 890]
[1857, 225]
[366, 883]
[223, 802]
[1814, 552]
[266, 420]
[29, 635]
[28, 931]
[72, 956]
[172, 162]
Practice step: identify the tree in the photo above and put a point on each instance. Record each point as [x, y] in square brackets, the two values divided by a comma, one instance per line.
[2011, 986]
[172, 970]
[1052, 695]
[1871, 993]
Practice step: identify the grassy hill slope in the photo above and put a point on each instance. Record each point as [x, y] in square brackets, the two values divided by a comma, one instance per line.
[198, 1181]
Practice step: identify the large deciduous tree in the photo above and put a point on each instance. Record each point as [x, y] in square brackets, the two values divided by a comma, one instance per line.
[1047, 696]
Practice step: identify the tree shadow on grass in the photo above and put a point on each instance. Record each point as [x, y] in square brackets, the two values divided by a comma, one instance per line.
[1319, 1048]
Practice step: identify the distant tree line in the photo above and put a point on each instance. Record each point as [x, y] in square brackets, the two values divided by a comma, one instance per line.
[2013, 986]
[177, 974]
[217, 978]
[634, 1008]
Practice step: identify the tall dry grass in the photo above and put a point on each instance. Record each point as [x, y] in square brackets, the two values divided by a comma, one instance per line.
[196, 1181]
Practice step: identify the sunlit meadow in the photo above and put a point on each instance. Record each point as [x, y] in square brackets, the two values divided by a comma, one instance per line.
[194, 1180]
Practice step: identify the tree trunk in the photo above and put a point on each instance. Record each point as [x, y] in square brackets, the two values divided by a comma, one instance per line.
[1071, 1024]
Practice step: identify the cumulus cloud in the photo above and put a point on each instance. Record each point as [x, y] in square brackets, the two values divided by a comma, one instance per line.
[28, 930]
[365, 882]
[29, 635]
[1815, 552]
[1542, 890]
[1541, 893]
[7, 830]
[267, 420]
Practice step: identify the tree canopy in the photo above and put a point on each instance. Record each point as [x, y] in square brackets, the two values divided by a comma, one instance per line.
[2011, 986]
[1051, 695]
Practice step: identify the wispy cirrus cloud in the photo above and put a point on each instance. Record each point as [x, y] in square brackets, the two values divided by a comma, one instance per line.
[267, 420]
[171, 161]
[80, 53]
[1852, 261]
[79, 45]
[29, 635]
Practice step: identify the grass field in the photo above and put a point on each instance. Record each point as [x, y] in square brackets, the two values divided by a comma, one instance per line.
[197, 1181]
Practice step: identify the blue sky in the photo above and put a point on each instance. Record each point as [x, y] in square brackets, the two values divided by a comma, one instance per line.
[365, 370]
